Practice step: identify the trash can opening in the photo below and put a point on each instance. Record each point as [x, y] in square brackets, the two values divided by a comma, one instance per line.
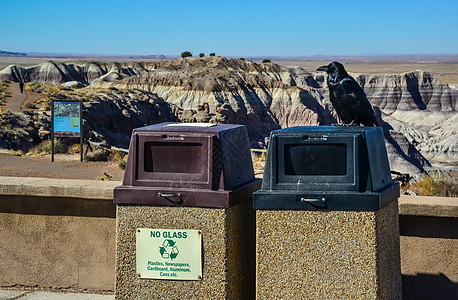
[173, 157]
[316, 159]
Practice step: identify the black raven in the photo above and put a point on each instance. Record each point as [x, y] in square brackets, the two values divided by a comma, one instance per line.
[347, 97]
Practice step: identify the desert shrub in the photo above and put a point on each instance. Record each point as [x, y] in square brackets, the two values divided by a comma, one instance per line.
[266, 61]
[259, 160]
[45, 148]
[201, 55]
[59, 147]
[99, 154]
[45, 88]
[212, 54]
[4, 93]
[30, 106]
[74, 149]
[44, 103]
[186, 54]
[12, 130]
[33, 87]
[16, 153]
[436, 184]
[122, 163]
[66, 88]
[105, 177]
[114, 155]
[119, 157]
[49, 92]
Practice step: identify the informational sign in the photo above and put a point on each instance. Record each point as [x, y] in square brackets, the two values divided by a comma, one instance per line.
[66, 122]
[169, 254]
[66, 119]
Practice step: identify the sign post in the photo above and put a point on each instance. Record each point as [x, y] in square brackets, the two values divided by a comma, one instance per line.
[66, 122]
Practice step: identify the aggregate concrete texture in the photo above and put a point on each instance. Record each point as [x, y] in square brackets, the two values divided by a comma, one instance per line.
[228, 248]
[328, 254]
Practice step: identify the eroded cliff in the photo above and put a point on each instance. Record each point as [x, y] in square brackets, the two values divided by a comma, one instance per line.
[418, 111]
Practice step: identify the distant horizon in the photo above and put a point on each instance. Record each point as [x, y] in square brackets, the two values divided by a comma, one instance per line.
[393, 56]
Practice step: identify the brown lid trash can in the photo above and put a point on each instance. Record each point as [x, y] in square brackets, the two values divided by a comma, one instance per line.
[188, 164]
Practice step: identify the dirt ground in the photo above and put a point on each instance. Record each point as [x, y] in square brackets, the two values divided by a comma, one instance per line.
[65, 166]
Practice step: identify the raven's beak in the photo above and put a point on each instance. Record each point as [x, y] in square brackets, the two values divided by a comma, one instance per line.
[323, 68]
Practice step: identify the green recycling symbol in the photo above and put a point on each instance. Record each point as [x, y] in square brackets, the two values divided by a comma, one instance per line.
[169, 250]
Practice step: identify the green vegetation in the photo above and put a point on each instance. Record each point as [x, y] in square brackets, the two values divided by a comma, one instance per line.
[266, 61]
[122, 162]
[435, 184]
[4, 93]
[186, 54]
[212, 54]
[105, 177]
[30, 106]
[100, 154]
[13, 132]
[201, 55]
[48, 92]
[74, 149]
[16, 153]
[45, 148]
[259, 160]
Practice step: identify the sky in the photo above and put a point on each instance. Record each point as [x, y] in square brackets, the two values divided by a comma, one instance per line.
[230, 28]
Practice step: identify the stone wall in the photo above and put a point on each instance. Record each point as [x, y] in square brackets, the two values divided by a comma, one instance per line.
[60, 234]
[57, 234]
[429, 247]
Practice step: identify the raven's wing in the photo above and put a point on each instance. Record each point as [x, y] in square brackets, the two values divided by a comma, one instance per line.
[359, 104]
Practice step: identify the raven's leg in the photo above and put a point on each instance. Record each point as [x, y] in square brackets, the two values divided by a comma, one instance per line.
[353, 123]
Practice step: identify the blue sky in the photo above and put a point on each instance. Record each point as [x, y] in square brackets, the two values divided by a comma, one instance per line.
[230, 28]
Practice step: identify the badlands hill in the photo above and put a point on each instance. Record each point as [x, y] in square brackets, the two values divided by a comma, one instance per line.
[417, 111]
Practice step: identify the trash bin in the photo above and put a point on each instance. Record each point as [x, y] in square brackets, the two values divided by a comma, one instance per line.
[327, 217]
[185, 223]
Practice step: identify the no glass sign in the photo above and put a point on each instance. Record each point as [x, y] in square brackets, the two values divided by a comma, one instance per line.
[169, 254]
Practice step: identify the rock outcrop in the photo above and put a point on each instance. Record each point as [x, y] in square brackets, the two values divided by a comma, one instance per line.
[408, 91]
[418, 111]
[109, 117]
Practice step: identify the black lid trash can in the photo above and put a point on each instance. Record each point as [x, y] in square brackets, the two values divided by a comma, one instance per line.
[327, 221]
[326, 167]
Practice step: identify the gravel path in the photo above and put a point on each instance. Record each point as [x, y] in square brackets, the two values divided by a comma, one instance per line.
[15, 102]
[64, 166]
